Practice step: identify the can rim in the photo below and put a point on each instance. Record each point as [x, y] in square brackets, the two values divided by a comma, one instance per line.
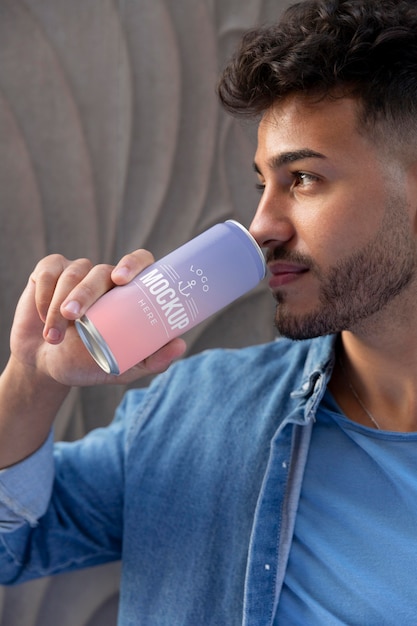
[253, 240]
[96, 346]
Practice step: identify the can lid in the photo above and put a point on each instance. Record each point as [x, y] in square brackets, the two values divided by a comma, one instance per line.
[96, 345]
[254, 242]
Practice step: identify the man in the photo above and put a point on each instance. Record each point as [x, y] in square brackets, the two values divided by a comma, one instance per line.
[275, 484]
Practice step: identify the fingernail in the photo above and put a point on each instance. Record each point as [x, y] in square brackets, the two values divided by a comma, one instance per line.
[53, 335]
[73, 307]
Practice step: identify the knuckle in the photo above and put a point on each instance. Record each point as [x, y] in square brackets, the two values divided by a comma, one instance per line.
[99, 274]
[75, 271]
[78, 267]
[55, 259]
[102, 269]
[137, 258]
[55, 265]
[86, 292]
[92, 283]
[73, 274]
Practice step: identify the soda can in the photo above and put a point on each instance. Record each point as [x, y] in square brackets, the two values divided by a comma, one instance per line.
[171, 296]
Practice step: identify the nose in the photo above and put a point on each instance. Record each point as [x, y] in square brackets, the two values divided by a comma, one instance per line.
[271, 226]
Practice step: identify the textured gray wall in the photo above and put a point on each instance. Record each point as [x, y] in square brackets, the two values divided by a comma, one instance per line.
[111, 138]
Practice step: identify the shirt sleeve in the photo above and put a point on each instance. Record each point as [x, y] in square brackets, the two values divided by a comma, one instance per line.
[25, 488]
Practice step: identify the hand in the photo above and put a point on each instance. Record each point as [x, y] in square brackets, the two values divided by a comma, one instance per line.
[59, 291]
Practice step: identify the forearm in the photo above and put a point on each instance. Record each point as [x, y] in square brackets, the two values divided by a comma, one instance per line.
[48, 357]
[29, 402]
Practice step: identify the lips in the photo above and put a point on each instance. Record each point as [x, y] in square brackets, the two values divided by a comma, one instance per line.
[285, 273]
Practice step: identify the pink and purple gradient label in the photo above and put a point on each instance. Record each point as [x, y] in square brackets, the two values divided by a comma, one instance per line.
[171, 296]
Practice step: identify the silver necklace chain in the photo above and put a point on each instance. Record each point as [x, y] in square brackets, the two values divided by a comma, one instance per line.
[356, 396]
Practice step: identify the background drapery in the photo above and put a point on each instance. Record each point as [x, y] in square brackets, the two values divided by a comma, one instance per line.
[111, 139]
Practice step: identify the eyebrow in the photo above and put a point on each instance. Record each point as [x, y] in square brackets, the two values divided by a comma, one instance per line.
[290, 157]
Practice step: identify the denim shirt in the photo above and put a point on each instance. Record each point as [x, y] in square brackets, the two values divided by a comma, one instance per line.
[194, 485]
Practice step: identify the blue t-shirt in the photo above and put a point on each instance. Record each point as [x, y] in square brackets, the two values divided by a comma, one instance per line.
[354, 554]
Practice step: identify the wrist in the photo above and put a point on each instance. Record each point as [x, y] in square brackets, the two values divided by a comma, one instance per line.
[29, 401]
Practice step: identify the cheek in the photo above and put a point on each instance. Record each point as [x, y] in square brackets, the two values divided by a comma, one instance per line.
[322, 230]
[356, 213]
[331, 236]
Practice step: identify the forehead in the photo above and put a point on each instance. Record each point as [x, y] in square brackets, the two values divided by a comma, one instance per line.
[297, 123]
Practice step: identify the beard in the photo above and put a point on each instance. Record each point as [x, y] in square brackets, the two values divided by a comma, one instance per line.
[356, 287]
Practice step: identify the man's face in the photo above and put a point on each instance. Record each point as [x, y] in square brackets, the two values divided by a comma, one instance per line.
[336, 217]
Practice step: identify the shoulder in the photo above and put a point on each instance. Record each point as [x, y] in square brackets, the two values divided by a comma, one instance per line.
[264, 361]
[218, 396]
[235, 376]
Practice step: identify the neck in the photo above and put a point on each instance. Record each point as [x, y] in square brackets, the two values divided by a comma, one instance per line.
[375, 382]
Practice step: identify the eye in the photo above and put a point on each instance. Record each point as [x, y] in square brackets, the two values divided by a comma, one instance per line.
[260, 182]
[303, 179]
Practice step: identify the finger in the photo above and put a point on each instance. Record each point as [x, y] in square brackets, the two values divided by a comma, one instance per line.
[100, 279]
[45, 277]
[154, 364]
[162, 359]
[87, 291]
[131, 265]
[72, 273]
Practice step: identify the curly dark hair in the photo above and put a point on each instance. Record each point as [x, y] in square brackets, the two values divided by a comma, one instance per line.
[363, 48]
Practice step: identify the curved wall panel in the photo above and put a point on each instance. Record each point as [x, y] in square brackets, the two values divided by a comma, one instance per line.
[112, 139]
